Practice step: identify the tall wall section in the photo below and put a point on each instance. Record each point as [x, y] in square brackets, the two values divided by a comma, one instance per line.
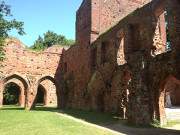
[96, 16]
[121, 71]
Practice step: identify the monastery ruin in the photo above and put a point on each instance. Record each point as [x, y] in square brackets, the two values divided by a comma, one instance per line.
[126, 60]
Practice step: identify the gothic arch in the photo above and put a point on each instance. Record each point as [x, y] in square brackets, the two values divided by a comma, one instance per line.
[21, 90]
[38, 83]
[161, 97]
[19, 77]
[49, 77]
[20, 81]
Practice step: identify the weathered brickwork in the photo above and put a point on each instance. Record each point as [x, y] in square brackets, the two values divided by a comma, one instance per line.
[122, 64]
[30, 69]
[96, 16]
[125, 60]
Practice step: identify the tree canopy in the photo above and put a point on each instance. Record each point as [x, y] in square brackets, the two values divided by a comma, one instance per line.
[49, 39]
[6, 25]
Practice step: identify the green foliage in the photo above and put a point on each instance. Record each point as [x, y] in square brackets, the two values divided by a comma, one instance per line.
[49, 39]
[38, 45]
[155, 123]
[172, 123]
[11, 94]
[168, 42]
[6, 25]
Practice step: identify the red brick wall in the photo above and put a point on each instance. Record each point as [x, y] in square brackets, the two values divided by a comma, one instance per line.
[83, 23]
[111, 11]
[18, 59]
[96, 16]
[138, 40]
[77, 61]
[31, 66]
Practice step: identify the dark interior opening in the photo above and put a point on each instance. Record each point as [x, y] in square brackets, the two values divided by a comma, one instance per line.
[11, 94]
[40, 98]
[103, 52]
[134, 30]
[100, 102]
[93, 58]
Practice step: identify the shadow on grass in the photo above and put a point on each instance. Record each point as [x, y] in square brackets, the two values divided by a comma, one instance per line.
[112, 122]
[115, 123]
[105, 120]
[92, 117]
[12, 107]
[89, 116]
[43, 108]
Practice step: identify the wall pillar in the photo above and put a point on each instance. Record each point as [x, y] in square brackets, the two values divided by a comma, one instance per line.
[22, 98]
[161, 105]
[173, 10]
[139, 95]
[1, 93]
[31, 95]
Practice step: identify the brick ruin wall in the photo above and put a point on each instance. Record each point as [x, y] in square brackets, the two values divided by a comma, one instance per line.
[29, 67]
[125, 70]
[111, 11]
[96, 16]
[119, 64]
[19, 59]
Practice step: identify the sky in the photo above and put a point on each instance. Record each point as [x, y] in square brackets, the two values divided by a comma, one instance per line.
[39, 16]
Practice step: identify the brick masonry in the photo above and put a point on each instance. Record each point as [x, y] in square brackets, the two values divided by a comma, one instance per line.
[120, 63]
[29, 69]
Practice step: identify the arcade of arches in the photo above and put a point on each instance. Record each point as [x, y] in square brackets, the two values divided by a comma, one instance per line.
[126, 60]
[31, 72]
[16, 90]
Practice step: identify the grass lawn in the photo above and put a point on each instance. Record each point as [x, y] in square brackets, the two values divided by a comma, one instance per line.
[172, 123]
[45, 121]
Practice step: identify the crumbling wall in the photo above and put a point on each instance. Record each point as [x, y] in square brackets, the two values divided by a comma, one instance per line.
[127, 65]
[28, 67]
[96, 16]
[111, 11]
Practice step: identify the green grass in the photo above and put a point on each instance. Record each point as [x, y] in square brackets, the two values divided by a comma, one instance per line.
[172, 123]
[92, 117]
[44, 121]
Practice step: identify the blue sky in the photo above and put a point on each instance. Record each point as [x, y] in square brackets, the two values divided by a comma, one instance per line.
[40, 16]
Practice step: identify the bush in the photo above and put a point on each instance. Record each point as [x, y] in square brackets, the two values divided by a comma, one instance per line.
[11, 94]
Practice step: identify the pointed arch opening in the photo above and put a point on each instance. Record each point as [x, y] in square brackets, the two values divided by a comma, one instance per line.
[14, 90]
[168, 100]
[46, 92]
[12, 94]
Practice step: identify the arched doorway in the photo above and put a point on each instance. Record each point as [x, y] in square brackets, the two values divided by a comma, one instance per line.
[41, 96]
[46, 92]
[172, 93]
[168, 100]
[16, 83]
[12, 94]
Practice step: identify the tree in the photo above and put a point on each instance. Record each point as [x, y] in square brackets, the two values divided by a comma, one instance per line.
[7, 25]
[50, 38]
[38, 45]
[11, 94]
